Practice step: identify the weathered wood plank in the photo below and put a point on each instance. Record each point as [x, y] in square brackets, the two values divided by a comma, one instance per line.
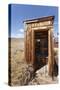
[46, 27]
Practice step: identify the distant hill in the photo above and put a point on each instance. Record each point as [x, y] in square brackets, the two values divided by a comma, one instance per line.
[16, 38]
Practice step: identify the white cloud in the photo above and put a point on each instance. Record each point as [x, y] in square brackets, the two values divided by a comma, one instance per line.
[19, 35]
[21, 30]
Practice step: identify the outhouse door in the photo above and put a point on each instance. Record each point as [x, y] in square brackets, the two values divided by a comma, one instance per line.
[40, 48]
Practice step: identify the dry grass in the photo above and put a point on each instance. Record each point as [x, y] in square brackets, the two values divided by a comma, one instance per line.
[20, 75]
[18, 64]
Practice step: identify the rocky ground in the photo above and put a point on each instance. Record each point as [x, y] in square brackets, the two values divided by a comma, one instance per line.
[42, 77]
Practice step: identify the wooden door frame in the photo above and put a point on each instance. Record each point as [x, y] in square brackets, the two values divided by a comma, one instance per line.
[50, 51]
[33, 45]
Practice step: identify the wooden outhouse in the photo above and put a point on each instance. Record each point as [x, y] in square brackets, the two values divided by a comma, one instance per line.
[39, 42]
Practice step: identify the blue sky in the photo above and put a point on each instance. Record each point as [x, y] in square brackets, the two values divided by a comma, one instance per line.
[20, 12]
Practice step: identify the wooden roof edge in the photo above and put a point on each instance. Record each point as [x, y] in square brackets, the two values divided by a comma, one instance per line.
[39, 19]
